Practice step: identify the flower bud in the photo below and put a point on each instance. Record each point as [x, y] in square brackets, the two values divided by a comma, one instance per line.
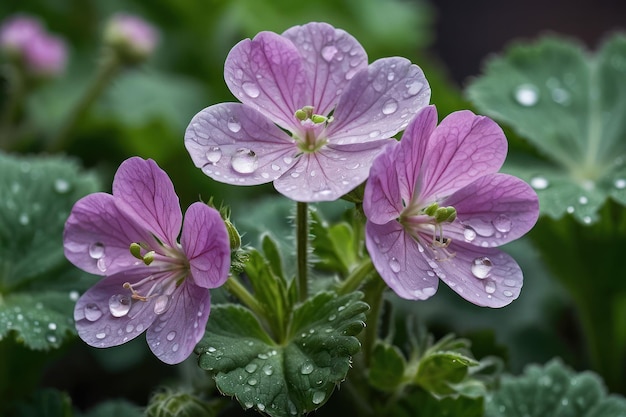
[131, 37]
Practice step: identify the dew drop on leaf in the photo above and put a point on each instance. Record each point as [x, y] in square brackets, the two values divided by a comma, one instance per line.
[61, 186]
[526, 95]
[539, 183]
[318, 397]
[307, 368]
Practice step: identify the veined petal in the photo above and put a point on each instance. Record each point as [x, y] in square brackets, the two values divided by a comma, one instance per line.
[206, 244]
[174, 334]
[462, 148]
[329, 173]
[149, 192]
[493, 210]
[483, 276]
[267, 73]
[235, 144]
[399, 260]
[330, 57]
[95, 323]
[379, 101]
[382, 199]
[98, 234]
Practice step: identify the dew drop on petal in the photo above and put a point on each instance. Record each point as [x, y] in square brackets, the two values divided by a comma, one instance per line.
[307, 368]
[539, 183]
[490, 286]
[481, 267]
[101, 264]
[119, 305]
[394, 265]
[507, 293]
[502, 223]
[101, 335]
[469, 233]
[233, 125]
[414, 87]
[245, 161]
[318, 397]
[175, 347]
[329, 52]
[92, 312]
[526, 95]
[390, 106]
[213, 154]
[161, 303]
[251, 89]
[170, 336]
[96, 250]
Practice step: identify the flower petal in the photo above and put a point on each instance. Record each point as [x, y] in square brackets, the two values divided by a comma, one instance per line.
[379, 102]
[206, 244]
[149, 192]
[95, 323]
[399, 261]
[175, 333]
[98, 234]
[330, 57]
[267, 73]
[329, 173]
[496, 281]
[394, 173]
[462, 148]
[493, 210]
[235, 144]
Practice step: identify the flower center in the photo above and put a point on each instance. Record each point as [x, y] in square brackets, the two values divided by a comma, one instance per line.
[430, 220]
[313, 126]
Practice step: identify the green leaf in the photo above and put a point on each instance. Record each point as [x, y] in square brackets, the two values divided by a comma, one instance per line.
[419, 403]
[334, 246]
[293, 377]
[568, 104]
[387, 367]
[554, 390]
[47, 402]
[441, 372]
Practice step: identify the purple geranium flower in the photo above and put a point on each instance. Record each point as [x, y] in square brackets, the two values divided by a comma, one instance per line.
[436, 207]
[314, 114]
[151, 282]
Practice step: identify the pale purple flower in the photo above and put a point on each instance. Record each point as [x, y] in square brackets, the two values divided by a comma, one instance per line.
[135, 38]
[26, 41]
[152, 282]
[436, 207]
[313, 115]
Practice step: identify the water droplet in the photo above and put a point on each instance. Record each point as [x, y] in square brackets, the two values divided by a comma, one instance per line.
[583, 200]
[51, 338]
[561, 96]
[92, 312]
[175, 347]
[490, 286]
[171, 335]
[481, 267]
[390, 106]
[74, 295]
[24, 219]
[252, 381]
[391, 76]
[96, 250]
[502, 223]
[234, 125]
[526, 95]
[101, 264]
[507, 293]
[261, 407]
[251, 89]
[268, 370]
[213, 154]
[469, 233]
[307, 368]
[620, 183]
[329, 52]
[245, 161]
[161, 304]
[129, 328]
[318, 397]
[570, 209]
[119, 305]
[539, 183]
[101, 335]
[52, 326]
[332, 317]
[394, 265]
[587, 220]
[251, 367]
[414, 87]
[61, 186]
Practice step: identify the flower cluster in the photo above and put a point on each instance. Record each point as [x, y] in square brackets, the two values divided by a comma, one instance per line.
[25, 41]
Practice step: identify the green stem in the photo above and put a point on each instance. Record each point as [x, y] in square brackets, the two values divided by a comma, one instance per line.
[302, 240]
[356, 277]
[110, 66]
[17, 93]
[374, 297]
[235, 287]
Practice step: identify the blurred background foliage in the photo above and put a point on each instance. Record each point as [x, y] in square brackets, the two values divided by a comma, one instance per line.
[146, 109]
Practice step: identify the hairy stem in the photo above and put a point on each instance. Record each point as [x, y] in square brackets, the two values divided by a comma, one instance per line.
[363, 271]
[235, 287]
[302, 241]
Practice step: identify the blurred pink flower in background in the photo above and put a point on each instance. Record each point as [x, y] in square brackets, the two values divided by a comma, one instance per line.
[131, 36]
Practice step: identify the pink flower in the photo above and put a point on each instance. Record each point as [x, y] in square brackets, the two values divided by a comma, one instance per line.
[436, 207]
[313, 115]
[133, 37]
[17, 31]
[152, 282]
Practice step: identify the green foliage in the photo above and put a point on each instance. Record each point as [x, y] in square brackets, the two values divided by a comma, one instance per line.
[336, 247]
[178, 404]
[47, 403]
[554, 390]
[38, 287]
[568, 104]
[421, 404]
[288, 378]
